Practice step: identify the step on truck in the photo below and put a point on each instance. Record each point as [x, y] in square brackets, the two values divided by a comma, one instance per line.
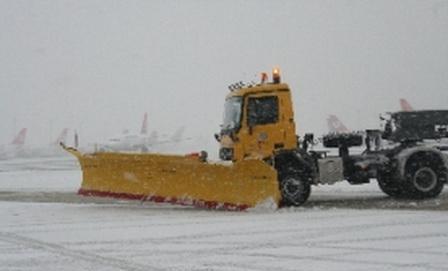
[264, 161]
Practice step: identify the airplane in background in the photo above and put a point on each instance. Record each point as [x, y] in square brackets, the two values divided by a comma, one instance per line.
[16, 147]
[141, 142]
[405, 106]
[335, 125]
[128, 142]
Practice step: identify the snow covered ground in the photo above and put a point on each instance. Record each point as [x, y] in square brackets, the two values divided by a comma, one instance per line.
[44, 225]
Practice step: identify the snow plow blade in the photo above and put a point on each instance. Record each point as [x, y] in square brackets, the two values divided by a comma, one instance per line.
[178, 179]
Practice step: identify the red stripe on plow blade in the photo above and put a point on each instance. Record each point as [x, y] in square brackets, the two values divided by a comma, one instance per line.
[160, 199]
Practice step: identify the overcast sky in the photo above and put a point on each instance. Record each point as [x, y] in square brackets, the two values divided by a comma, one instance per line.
[97, 66]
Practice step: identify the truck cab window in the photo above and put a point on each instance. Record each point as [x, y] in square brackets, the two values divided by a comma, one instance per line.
[262, 110]
[232, 113]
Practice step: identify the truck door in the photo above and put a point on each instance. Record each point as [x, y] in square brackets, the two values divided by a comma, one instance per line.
[262, 132]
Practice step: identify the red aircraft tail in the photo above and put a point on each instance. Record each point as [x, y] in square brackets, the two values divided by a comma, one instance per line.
[19, 140]
[405, 106]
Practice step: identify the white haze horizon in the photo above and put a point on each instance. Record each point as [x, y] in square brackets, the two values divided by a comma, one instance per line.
[98, 66]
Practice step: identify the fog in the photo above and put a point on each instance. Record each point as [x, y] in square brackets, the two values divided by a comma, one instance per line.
[97, 66]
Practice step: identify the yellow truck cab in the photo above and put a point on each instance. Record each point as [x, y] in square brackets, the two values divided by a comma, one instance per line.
[258, 124]
[258, 120]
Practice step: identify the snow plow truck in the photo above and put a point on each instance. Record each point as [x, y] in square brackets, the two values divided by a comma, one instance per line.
[265, 162]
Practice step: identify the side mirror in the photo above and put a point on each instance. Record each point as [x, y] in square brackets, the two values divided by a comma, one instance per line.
[218, 137]
[309, 138]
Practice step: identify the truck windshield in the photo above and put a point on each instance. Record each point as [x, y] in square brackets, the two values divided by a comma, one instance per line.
[232, 113]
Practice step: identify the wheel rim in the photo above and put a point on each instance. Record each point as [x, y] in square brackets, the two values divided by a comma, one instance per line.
[425, 179]
[292, 188]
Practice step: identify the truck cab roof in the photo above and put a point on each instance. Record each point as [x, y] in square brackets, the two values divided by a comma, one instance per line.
[259, 88]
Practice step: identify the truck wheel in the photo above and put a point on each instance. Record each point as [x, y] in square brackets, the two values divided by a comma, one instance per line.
[295, 189]
[388, 185]
[425, 176]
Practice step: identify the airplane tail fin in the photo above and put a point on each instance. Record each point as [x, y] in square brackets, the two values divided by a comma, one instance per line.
[19, 140]
[144, 129]
[62, 137]
[335, 125]
[405, 106]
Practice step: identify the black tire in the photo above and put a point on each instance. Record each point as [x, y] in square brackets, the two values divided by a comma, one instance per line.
[425, 175]
[388, 185]
[295, 189]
